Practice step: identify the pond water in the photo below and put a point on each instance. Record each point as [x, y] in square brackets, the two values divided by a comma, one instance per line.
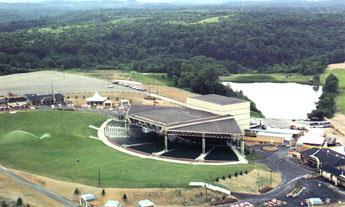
[280, 100]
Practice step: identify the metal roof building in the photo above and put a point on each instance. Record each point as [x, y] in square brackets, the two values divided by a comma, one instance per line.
[183, 121]
[222, 105]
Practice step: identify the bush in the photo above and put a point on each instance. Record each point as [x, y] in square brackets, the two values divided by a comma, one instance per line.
[223, 177]
[229, 176]
[3, 204]
[19, 201]
[103, 192]
[76, 191]
[217, 179]
[246, 172]
[241, 173]
[236, 174]
[124, 197]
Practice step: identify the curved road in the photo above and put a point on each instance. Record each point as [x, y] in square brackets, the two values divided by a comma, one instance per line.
[64, 201]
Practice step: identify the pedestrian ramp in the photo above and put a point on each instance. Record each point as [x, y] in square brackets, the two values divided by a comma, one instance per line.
[210, 187]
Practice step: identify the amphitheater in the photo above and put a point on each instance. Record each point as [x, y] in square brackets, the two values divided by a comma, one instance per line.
[182, 134]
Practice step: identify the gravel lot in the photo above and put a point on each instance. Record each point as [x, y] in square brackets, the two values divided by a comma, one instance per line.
[41, 82]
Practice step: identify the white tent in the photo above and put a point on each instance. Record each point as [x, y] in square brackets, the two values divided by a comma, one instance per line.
[96, 99]
[145, 203]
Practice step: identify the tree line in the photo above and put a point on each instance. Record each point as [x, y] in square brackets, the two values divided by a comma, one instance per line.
[269, 39]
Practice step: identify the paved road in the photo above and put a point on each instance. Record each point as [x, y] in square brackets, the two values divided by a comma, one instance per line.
[292, 173]
[64, 201]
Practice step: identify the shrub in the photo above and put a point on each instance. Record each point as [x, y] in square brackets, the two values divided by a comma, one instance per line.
[236, 174]
[217, 179]
[76, 191]
[246, 172]
[19, 201]
[223, 177]
[103, 192]
[124, 197]
[241, 173]
[3, 204]
[229, 176]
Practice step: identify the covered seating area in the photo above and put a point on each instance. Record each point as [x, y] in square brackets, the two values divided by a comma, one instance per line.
[183, 122]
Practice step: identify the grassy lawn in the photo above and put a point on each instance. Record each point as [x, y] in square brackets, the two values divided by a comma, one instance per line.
[67, 140]
[274, 77]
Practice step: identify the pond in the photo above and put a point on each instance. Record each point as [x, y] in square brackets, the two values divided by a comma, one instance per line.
[280, 100]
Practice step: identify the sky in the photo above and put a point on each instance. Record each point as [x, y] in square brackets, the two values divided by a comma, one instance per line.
[140, 1]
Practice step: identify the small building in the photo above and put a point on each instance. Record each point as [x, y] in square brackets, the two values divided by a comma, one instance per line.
[145, 203]
[45, 99]
[329, 163]
[96, 100]
[112, 203]
[222, 105]
[314, 202]
[86, 200]
[3, 101]
[17, 102]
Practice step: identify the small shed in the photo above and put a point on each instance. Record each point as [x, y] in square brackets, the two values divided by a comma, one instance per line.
[315, 202]
[112, 203]
[86, 199]
[145, 203]
[96, 99]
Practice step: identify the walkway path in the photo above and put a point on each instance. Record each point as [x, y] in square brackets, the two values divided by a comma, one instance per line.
[102, 137]
[21, 180]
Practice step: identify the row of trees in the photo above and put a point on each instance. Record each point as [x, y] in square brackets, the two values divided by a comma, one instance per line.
[326, 106]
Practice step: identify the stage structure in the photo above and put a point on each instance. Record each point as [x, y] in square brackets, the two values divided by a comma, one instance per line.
[186, 122]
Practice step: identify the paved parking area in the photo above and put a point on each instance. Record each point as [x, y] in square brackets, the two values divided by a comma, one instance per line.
[292, 173]
[42, 81]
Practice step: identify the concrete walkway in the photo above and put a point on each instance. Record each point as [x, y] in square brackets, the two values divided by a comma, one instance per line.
[102, 137]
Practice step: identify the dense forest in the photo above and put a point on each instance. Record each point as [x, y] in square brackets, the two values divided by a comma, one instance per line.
[236, 37]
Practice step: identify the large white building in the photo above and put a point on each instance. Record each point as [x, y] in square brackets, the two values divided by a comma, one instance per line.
[221, 105]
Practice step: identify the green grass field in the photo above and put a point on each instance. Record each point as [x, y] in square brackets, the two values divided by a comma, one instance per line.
[67, 140]
[272, 77]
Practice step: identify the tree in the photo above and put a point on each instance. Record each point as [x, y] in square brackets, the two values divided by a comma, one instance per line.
[326, 106]
[124, 197]
[3, 204]
[331, 84]
[19, 201]
[76, 191]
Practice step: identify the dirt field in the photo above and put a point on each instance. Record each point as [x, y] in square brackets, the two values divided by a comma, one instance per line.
[250, 183]
[161, 196]
[339, 125]
[10, 190]
[336, 66]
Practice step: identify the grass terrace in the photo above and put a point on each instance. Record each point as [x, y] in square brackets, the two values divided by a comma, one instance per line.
[49, 143]
[273, 77]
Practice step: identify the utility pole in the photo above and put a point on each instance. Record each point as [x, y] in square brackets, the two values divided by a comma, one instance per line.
[99, 178]
[271, 178]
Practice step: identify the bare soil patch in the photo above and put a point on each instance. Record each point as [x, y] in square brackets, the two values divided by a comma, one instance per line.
[160, 196]
[251, 182]
[11, 190]
[336, 66]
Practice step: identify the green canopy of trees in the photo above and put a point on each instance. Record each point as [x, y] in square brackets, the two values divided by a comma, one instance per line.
[326, 106]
